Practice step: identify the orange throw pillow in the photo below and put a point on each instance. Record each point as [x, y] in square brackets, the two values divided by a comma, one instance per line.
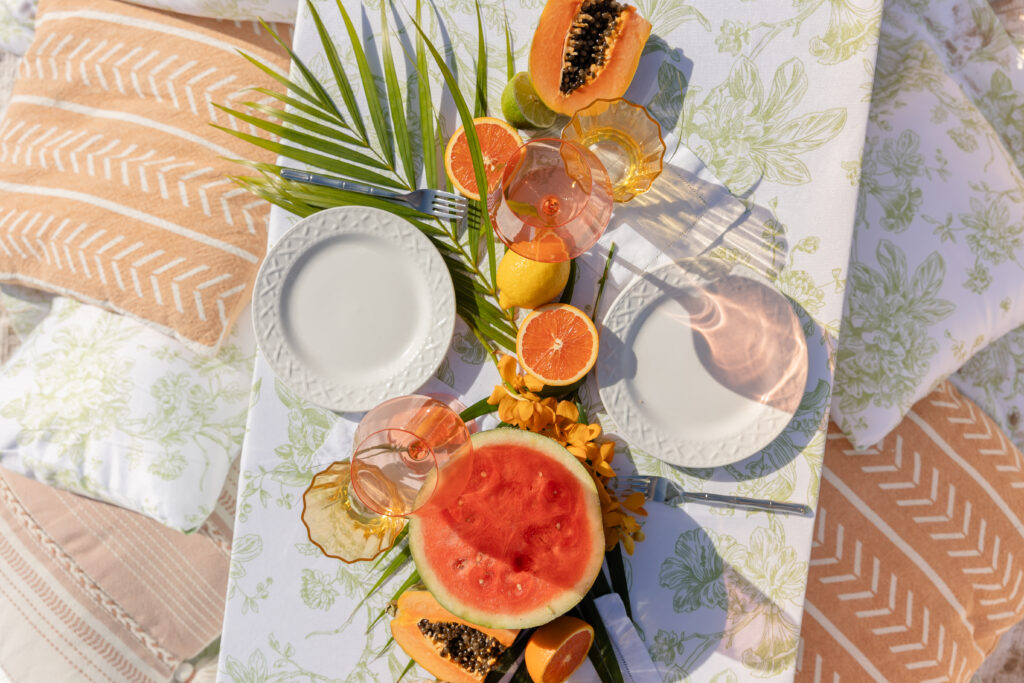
[916, 567]
[113, 185]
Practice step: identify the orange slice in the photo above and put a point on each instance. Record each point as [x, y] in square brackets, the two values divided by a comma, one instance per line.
[557, 344]
[557, 649]
[498, 140]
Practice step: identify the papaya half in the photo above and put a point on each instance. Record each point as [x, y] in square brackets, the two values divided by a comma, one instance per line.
[450, 648]
[585, 50]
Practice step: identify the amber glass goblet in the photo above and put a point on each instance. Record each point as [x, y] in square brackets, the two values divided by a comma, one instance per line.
[409, 452]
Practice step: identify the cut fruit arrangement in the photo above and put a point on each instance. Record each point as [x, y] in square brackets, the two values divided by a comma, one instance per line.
[489, 575]
[537, 559]
[557, 649]
[534, 561]
[584, 50]
[557, 344]
[498, 141]
[450, 648]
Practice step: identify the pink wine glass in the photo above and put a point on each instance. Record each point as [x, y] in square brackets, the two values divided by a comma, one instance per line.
[409, 451]
[554, 200]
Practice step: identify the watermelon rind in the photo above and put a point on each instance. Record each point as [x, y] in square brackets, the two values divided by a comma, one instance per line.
[570, 596]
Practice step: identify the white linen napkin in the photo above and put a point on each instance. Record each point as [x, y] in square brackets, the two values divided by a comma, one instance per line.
[634, 661]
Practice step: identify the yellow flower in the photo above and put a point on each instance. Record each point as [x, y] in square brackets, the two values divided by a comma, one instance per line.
[635, 502]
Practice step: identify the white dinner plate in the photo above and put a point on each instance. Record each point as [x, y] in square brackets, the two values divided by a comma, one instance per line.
[353, 306]
[702, 363]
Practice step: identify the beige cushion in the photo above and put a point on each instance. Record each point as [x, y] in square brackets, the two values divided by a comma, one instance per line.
[92, 592]
[113, 185]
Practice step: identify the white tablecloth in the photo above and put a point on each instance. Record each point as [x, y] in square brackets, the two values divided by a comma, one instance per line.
[775, 106]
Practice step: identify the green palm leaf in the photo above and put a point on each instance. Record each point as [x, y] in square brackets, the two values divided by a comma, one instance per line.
[292, 134]
[340, 77]
[480, 106]
[402, 140]
[314, 132]
[484, 223]
[325, 162]
[320, 93]
[380, 125]
[426, 109]
[510, 55]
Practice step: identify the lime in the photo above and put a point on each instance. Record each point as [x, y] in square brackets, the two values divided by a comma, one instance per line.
[528, 284]
[522, 107]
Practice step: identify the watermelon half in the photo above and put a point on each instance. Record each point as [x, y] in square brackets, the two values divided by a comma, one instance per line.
[524, 541]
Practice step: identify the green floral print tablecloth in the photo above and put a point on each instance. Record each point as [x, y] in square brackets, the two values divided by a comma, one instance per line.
[770, 99]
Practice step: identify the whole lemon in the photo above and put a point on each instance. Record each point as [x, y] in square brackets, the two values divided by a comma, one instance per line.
[528, 284]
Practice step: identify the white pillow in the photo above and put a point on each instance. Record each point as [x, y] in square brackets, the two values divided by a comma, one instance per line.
[937, 264]
[102, 405]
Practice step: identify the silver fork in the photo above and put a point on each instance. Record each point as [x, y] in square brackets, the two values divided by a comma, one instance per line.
[444, 205]
[663, 490]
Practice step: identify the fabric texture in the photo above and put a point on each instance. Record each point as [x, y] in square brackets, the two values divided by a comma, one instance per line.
[91, 592]
[17, 25]
[113, 185]
[914, 569]
[18, 17]
[244, 10]
[994, 379]
[936, 266]
[97, 403]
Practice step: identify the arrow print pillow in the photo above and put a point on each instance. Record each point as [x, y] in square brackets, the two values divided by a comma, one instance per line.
[114, 188]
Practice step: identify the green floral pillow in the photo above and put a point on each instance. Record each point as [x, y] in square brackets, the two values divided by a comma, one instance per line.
[994, 379]
[99, 404]
[937, 264]
[17, 25]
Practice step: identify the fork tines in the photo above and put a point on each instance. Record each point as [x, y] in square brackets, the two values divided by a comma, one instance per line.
[449, 206]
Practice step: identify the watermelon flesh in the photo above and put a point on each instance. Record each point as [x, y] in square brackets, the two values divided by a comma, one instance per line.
[522, 543]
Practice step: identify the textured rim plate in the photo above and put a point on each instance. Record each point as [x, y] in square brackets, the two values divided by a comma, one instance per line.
[353, 306]
[665, 388]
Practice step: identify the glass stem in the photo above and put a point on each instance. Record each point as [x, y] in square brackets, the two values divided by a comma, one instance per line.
[363, 513]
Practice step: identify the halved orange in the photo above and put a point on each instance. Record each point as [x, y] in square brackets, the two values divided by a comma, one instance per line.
[498, 140]
[557, 649]
[557, 344]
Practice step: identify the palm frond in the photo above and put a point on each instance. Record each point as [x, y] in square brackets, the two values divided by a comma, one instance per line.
[480, 104]
[340, 77]
[325, 162]
[370, 93]
[510, 55]
[426, 109]
[466, 117]
[293, 133]
[394, 92]
[312, 130]
[322, 96]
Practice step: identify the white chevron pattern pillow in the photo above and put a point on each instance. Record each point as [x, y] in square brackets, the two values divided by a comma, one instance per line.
[113, 185]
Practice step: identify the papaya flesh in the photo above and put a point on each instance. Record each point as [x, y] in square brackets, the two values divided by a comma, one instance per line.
[450, 648]
[585, 50]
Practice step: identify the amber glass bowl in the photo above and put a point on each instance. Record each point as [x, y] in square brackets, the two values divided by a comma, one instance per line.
[625, 138]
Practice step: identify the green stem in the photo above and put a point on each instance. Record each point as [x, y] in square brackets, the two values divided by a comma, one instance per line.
[601, 282]
[776, 29]
[478, 409]
[470, 263]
